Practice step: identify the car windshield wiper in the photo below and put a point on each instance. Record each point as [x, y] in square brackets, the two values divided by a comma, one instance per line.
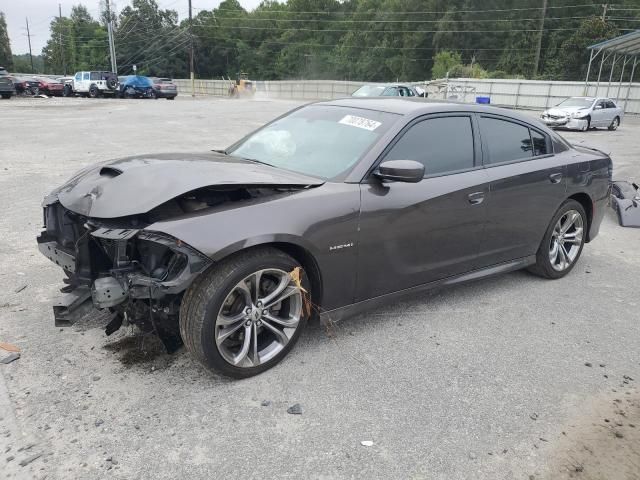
[256, 161]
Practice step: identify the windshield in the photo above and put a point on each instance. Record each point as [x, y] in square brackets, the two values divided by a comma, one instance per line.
[318, 140]
[577, 102]
[369, 91]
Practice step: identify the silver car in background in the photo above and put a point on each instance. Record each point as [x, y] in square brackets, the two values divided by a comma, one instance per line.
[583, 113]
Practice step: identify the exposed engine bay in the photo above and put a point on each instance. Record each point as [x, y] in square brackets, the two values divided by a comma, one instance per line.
[121, 266]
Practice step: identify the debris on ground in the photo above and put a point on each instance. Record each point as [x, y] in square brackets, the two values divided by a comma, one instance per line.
[10, 357]
[265, 403]
[588, 364]
[9, 347]
[30, 459]
[20, 288]
[533, 416]
[366, 443]
[295, 409]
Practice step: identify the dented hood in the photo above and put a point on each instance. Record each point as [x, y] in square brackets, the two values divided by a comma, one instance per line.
[136, 185]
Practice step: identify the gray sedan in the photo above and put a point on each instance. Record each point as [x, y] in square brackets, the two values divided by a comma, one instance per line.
[583, 113]
[332, 209]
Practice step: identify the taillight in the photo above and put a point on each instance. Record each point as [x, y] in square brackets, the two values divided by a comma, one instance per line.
[41, 85]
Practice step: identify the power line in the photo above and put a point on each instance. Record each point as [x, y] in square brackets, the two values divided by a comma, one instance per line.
[249, 19]
[388, 12]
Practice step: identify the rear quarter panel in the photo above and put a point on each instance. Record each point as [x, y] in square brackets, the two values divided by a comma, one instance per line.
[590, 172]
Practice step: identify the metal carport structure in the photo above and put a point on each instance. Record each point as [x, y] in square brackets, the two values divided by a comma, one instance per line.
[625, 48]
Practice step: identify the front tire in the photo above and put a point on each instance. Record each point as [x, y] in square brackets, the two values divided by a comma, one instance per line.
[563, 242]
[244, 315]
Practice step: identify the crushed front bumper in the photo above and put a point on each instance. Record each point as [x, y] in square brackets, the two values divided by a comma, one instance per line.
[565, 122]
[124, 270]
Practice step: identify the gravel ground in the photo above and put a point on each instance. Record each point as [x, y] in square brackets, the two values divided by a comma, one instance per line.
[509, 378]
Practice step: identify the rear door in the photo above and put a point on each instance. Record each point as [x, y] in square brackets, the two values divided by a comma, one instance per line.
[526, 187]
[415, 233]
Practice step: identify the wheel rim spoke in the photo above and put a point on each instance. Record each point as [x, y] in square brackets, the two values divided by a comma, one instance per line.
[285, 322]
[280, 335]
[255, 286]
[225, 333]
[284, 294]
[242, 354]
[225, 320]
[272, 297]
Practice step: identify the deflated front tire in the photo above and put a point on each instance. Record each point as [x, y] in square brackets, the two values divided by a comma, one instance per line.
[244, 314]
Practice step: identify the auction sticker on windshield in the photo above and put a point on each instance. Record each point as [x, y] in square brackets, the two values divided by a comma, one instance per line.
[360, 122]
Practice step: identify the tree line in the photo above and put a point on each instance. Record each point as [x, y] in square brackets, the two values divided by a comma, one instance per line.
[365, 40]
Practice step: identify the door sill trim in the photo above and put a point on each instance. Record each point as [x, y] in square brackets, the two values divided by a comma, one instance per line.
[341, 313]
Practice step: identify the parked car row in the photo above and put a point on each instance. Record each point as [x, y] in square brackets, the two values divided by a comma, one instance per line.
[91, 84]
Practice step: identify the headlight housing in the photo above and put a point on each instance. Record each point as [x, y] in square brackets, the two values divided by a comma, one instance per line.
[579, 114]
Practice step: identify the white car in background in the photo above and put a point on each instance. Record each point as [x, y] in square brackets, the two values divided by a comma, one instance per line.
[582, 113]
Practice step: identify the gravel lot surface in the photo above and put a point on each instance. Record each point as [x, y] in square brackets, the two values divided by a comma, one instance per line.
[513, 377]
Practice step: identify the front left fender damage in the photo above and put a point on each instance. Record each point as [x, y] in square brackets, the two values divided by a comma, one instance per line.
[125, 267]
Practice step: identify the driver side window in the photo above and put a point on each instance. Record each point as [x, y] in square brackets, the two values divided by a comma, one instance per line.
[442, 145]
[85, 76]
[78, 77]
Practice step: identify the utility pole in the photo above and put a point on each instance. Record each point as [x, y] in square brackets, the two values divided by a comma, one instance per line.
[193, 81]
[536, 62]
[64, 64]
[112, 46]
[605, 7]
[29, 37]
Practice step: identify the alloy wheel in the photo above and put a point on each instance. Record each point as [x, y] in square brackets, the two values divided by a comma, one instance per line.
[566, 240]
[615, 123]
[258, 318]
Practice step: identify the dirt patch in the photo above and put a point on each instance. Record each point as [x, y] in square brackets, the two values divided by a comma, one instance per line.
[603, 441]
[141, 350]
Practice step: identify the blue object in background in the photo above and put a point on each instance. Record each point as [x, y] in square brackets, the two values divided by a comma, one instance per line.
[137, 81]
[483, 100]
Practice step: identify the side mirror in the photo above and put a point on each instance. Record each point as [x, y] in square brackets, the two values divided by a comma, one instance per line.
[408, 171]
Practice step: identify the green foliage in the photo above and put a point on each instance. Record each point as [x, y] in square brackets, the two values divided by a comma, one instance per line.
[444, 62]
[367, 40]
[22, 63]
[6, 60]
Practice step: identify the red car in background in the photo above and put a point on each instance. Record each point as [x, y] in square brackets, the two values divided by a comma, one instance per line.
[49, 86]
[164, 88]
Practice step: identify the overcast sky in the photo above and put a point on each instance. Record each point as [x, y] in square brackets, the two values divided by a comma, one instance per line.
[41, 12]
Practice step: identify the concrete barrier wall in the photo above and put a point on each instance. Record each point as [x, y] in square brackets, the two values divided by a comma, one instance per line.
[527, 94]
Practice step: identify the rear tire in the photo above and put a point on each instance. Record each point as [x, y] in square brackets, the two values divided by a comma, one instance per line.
[559, 242]
[171, 98]
[6, 96]
[215, 325]
[93, 91]
[615, 123]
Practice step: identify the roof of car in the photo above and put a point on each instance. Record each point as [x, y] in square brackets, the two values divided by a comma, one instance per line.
[419, 106]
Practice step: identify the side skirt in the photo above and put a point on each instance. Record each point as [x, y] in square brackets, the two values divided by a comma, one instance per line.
[365, 305]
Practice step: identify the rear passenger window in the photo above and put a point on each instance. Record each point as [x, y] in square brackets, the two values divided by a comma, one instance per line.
[442, 144]
[506, 141]
[539, 142]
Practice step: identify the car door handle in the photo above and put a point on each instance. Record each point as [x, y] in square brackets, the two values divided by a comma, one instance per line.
[476, 198]
[555, 177]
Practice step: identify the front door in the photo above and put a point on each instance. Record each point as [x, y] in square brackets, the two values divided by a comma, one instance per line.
[599, 115]
[414, 233]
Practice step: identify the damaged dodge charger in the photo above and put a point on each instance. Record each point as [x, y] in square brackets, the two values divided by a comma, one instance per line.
[331, 209]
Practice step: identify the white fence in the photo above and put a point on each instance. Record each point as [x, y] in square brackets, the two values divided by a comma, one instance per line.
[526, 94]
